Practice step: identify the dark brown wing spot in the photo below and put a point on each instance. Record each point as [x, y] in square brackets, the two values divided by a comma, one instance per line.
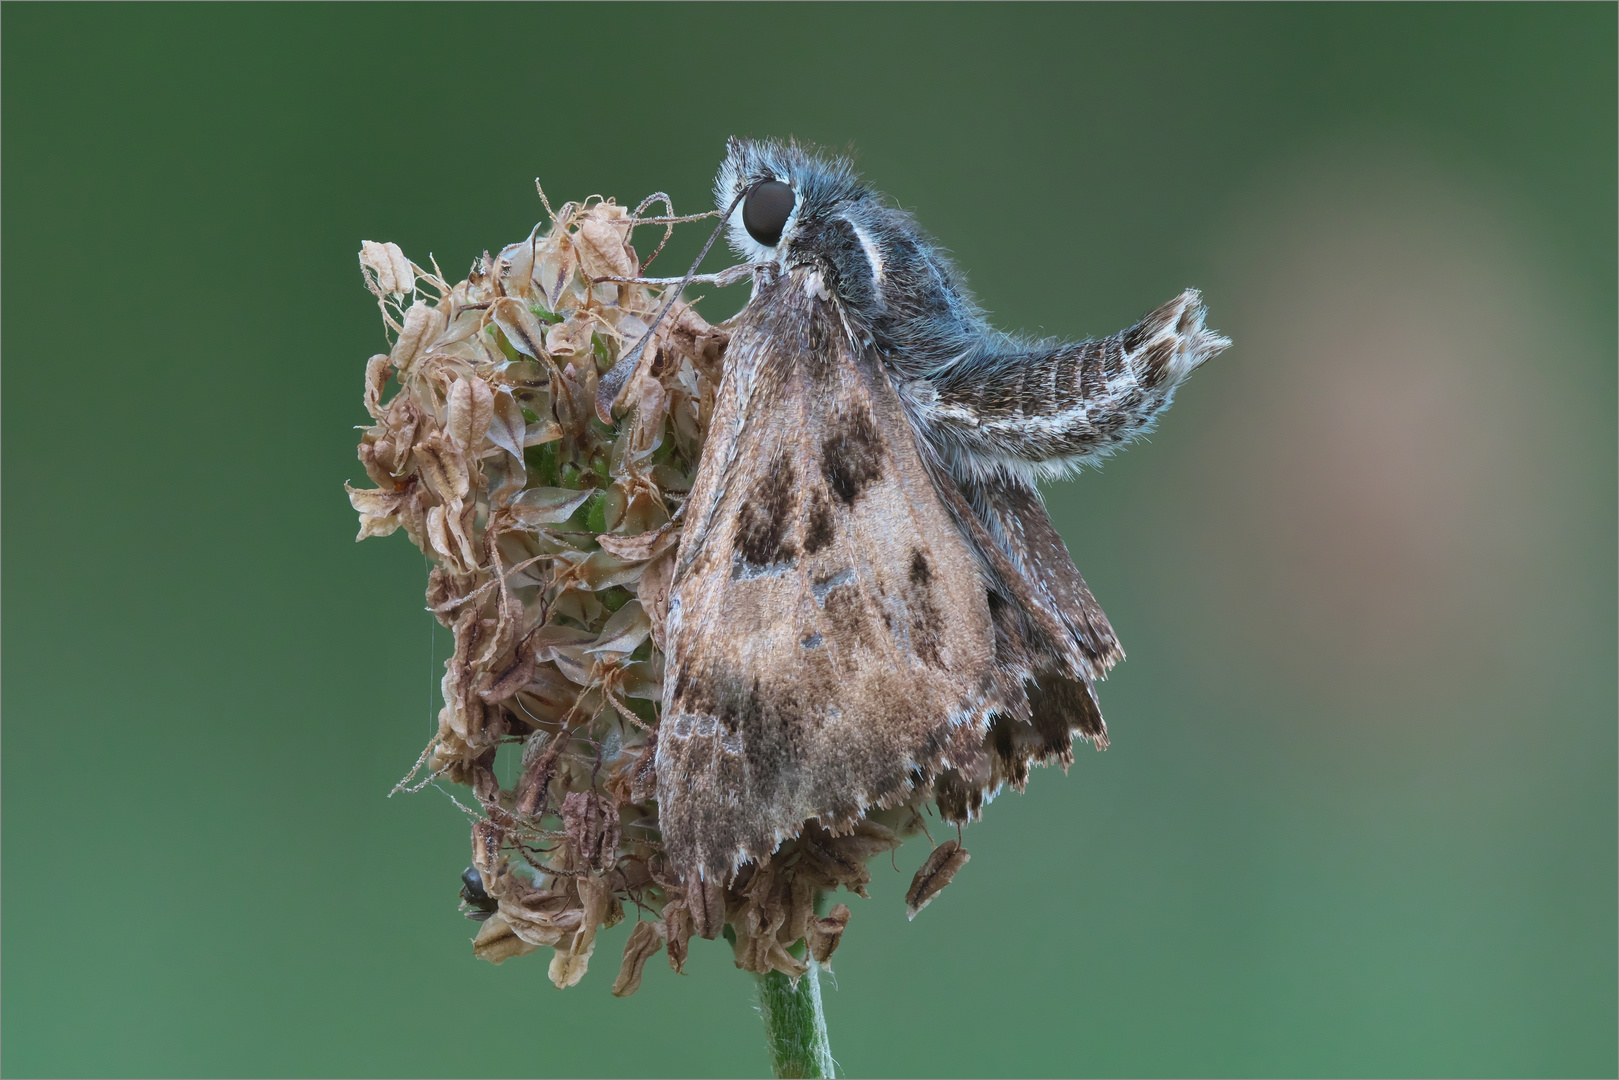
[852, 459]
[1014, 763]
[925, 636]
[762, 524]
[818, 532]
[926, 625]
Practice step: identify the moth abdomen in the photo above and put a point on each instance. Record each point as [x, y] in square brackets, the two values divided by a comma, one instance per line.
[1036, 410]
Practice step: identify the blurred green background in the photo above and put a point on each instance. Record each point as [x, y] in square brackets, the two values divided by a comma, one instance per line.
[1358, 817]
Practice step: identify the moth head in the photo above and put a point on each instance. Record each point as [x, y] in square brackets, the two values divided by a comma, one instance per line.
[776, 194]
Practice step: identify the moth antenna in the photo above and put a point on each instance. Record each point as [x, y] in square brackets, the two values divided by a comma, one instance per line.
[463, 807]
[668, 221]
[607, 390]
[656, 196]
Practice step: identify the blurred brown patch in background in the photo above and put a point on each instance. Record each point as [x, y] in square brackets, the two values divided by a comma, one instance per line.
[1387, 494]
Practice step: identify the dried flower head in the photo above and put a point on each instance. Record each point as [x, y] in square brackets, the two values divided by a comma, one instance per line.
[552, 537]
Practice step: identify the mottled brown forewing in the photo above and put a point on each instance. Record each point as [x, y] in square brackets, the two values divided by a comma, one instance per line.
[829, 640]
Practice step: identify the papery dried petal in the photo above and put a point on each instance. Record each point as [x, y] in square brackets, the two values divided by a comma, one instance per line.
[374, 503]
[628, 627]
[522, 329]
[539, 769]
[602, 250]
[590, 824]
[438, 534]
[653, 591]
[604, 570]
[497, 942]
[541, 432]
[376, 380]
[507, 427]
[933, 875]
[823, 933]
[443, 467]
[647, 545]
[390, 272]
[511, 680]
[678, 931]
[537, 926]
[471, 406]
[643, 679]
[644, 943]
[571, 338]
[422, 325]
[516, 266]
[376, 462]
[547, 505]
[460, 327]
[378, 510]
[705, 901]
[568, 966]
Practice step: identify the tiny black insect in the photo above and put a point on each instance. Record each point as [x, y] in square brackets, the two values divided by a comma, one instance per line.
[475, 900]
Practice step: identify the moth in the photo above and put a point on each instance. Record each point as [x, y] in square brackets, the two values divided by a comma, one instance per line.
[870, 603]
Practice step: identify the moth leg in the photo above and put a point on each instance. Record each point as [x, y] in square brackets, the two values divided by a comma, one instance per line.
[1012, 405]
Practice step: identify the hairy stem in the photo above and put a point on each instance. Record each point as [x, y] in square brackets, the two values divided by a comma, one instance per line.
[794, 1025]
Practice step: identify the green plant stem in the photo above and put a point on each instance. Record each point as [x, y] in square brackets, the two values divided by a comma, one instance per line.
[795, 1028]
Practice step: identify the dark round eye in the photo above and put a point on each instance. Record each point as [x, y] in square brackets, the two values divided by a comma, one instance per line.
[472, 884]
[765, 210]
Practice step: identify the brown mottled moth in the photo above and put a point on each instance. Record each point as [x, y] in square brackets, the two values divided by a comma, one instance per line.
[870, 604]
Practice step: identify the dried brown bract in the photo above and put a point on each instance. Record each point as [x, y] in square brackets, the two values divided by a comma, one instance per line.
[933, 875]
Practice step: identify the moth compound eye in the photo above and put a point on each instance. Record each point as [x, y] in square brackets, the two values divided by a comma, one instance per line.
[765, 211]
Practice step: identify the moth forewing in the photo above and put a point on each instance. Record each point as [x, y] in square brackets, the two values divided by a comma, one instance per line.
[830, 644]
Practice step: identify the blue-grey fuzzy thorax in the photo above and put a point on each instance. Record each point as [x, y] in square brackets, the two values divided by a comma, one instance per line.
[890, 277]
